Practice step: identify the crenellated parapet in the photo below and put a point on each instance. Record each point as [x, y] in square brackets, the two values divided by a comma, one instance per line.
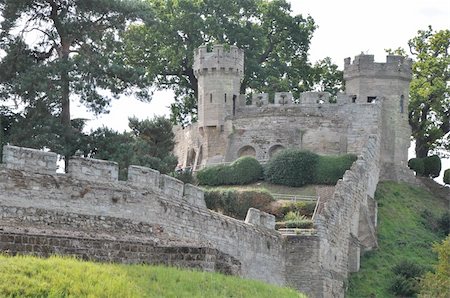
[364, 65]
[227, 59]
[41, 162]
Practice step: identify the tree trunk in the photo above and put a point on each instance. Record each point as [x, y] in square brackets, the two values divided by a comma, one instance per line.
[65, 108]
[422, 148]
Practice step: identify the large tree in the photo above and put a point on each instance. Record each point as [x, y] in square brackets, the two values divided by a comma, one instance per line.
[58, 50]
[275, 42]
[429, 107]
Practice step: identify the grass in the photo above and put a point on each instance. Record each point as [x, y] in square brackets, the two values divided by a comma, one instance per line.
[402, 235]
[308, 190]
[26, 276]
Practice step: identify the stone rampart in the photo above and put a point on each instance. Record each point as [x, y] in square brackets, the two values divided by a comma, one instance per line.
[151, 207]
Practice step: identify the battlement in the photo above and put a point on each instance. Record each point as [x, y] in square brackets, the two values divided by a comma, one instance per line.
[365, 65]
[226, 59]
[41, 162]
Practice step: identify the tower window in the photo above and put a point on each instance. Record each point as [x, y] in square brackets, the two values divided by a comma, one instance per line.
[210, 97]
[354, 98]
[402, 104]
[371, 99]
[225, 97]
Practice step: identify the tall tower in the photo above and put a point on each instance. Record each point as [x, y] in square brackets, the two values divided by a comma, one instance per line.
[387, 82]
[219, 72]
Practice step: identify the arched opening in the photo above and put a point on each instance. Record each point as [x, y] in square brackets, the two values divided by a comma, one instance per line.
[190, 158]
[247, 151]
[199, 158]
[274, 149]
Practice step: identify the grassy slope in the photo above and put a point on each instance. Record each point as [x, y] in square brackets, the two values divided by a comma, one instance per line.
[66, 277]
[402, 234]
[307, 190]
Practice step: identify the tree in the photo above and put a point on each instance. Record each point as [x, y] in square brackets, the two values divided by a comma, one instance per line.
[327, 77]
[276, 46]
[149, 144]
[56, 50]
[437, 284]
[429, 106]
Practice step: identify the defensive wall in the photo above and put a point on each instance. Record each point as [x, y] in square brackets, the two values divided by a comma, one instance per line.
[156, 219]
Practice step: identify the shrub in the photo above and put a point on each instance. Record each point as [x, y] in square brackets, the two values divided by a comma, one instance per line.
[332, 168]
[443, 223]
[242, 171]
[185, 176]
[303, 208]
[406, 280]
[417, 165]
[291, 167]
[236, 203]
[447, 176]
[432, 166]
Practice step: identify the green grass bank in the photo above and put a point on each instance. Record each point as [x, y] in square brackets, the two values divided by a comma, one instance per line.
[26, 276]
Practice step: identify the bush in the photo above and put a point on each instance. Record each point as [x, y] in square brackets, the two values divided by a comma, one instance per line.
[447, 176]
[303, 208]
[242, 171]
[291, 167]
[236, 203]
[417, 165]
[332, 168]
[432, 166]
[185, 176]
[443, 223]
[406, 280]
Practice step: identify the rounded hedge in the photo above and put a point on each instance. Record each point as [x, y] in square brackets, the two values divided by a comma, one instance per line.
[291, 167]
[432, 165]
[447, 176]
[332, 168]
[417, 165]
[244, 170]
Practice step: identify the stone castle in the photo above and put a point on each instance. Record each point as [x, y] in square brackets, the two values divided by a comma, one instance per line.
[156, 219]
[375, 102]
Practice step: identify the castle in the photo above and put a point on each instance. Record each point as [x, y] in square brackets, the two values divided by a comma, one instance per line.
[375, 101]
[156, 219]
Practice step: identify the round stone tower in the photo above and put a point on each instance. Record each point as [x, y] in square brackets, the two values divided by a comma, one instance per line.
[367, 81]
[219, 72]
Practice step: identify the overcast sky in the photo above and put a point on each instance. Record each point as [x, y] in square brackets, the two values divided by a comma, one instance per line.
[345, 29]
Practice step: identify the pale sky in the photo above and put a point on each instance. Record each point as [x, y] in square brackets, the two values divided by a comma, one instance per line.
[345, 29]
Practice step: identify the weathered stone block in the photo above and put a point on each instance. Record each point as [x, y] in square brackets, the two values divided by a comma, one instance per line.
[260, 99]
[283, 98]
[253, 217]
[27, 159]
[89, 168]
[194, 195]
[143, 176]
[267, 220]
[171, 186]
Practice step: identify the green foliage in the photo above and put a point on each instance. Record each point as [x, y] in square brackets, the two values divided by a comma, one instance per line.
[295, 220]
[437, 284]
[438, 224]
[302, 208]
[148, 144]
[399, 208]
[244, 170]
[185, 176]
[403, 286]
[432, 166]
[236, 203]
[417, 165]
[64, 277]
[429, 115]
[291, 167]
[275, 42]
[58, 50]
[447, 176]
[330, 169]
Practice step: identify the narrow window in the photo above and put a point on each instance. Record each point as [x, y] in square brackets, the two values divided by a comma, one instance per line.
[371, 99]
[210, 97]
[402, 104]
[234, 104]
[354, 98]
[225, 98]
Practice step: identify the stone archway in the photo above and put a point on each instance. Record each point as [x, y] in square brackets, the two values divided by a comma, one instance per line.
[190, 158]
[274, 149]
[247, 151]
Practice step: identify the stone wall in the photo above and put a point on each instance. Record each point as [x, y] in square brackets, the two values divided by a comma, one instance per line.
[164, 211]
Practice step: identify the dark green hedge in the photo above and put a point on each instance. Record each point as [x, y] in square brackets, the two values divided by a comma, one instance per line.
[236, 203]
[291, 167]
[447, 176]
[242, 171]
[330, 169]
[429, 166]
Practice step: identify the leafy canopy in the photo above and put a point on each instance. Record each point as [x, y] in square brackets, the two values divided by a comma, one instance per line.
[275, 42]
